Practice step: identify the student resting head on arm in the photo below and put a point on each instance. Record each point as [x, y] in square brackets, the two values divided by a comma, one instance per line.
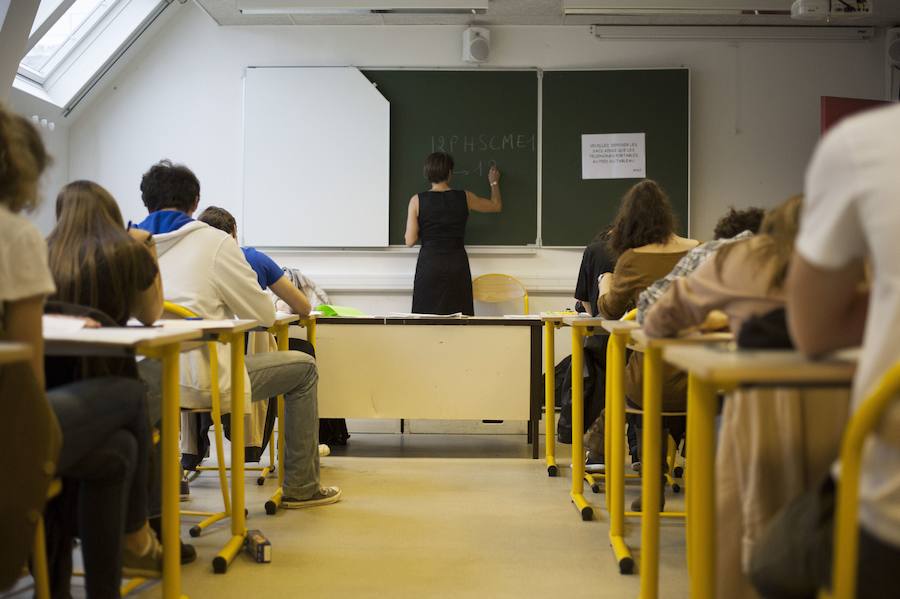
[269, 274]
[742, 279]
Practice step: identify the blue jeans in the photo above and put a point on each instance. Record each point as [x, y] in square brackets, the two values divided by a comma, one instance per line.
[294, 375]
[104, 462]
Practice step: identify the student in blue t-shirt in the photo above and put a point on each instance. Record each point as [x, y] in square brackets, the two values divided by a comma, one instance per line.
[268, 273]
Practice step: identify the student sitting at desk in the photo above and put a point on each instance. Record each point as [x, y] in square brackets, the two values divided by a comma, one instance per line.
[272, 277]
[734, 226]
[97, 264]
[268, 273]
[105, 436]
[204, 270]
[644, 239]
[443, 282]
[850, 213]
[774, 444]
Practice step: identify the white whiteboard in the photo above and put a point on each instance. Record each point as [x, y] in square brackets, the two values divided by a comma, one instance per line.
[316, 159]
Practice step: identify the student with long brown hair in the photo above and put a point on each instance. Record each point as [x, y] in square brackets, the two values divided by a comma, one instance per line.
[774, 444]
[102, 421]
[644, 239]
[96, 263]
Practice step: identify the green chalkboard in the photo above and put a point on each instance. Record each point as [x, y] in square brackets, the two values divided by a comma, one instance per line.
[654, 102]
[479, 117]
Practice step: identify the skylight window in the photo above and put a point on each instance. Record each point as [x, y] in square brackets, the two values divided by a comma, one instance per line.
[63, 37]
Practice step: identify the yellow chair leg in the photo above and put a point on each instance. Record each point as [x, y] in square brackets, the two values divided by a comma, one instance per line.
[615, 460]
[281, 336]
[701, 491]
[238, 520]
[39, 562]
[549, 398]
[650, 482]
[577, 493]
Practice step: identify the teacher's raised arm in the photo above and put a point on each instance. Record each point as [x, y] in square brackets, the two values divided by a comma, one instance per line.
[495, 203]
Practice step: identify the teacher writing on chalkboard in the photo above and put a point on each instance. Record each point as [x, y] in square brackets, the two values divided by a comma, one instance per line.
[443, 283]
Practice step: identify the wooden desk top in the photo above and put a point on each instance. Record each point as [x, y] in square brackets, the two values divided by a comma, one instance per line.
[14, 352]
[282, 318]
[620, 326]
[724, 364]
[209, 327]
[639, 337]
[583, 321]
[524, 320]
[556, 316]
[115, 340]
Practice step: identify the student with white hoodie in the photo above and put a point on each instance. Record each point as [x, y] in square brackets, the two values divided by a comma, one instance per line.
[204, 270]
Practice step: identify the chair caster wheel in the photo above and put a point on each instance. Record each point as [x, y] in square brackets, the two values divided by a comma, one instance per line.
[261, 480]
[678, 472]
[676, 488]
[595, 488]
[626, 566]
[271, 508]
[587, 514]
[551, 471]
[195, 531]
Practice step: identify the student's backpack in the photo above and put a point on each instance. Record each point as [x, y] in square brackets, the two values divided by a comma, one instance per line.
[594, 387]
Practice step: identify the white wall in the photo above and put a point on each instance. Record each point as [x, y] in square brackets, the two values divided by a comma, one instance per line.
[754, 121]
[57, 144]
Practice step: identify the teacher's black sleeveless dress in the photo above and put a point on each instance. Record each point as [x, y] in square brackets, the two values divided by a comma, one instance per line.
[443, 283]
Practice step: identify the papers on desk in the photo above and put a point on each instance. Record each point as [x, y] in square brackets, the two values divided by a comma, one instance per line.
[195, 324]
[55, 324]
[416, 315]
[521, 316]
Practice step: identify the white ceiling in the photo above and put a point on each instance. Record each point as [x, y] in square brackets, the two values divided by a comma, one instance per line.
[532, 12]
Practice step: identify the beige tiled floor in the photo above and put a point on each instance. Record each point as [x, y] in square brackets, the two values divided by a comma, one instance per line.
[460, 516]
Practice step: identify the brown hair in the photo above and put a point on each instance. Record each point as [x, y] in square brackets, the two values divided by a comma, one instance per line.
[645, 216]
[22, 160]
[736, 222]
[780, 225]
[219, 218]
[438, 167]
[94, 261]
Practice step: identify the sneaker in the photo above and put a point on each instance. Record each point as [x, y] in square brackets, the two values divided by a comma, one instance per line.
[148, 565]
[184, 489]
[594, 465]
[636, 504]
[323, 496]
[593, 438]
[324, 450]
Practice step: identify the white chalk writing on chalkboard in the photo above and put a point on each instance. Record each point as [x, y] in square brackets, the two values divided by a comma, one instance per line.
[613, 156]
[483, 142]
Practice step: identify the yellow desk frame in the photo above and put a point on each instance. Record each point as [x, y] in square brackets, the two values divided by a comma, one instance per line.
[709, 371]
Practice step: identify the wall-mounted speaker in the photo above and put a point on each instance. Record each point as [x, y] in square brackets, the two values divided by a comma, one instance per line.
[476, 44]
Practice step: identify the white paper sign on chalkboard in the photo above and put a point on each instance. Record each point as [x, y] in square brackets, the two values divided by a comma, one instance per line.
[613, 156]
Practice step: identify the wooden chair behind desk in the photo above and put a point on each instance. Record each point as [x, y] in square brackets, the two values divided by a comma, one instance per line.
[497, 288]
[174, 310]
[846, 526]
